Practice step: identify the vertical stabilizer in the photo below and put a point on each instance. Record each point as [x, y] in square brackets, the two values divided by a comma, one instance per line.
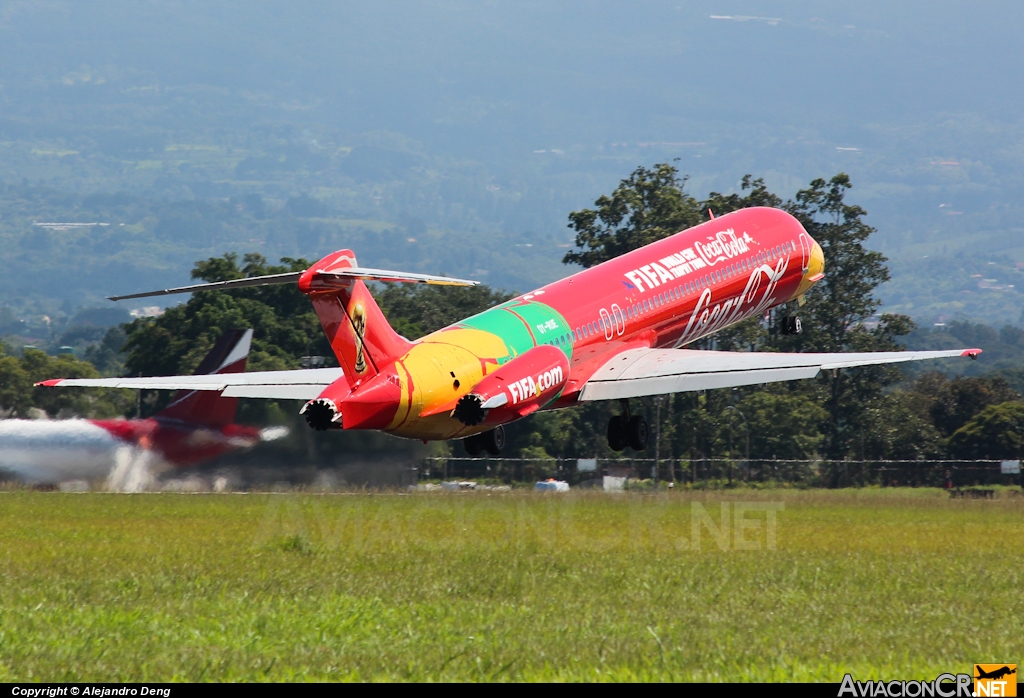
[361, 337]
[205, 407]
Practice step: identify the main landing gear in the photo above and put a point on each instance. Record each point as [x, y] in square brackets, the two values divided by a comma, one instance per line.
[791, 325]
[625, 430]
[491, 441]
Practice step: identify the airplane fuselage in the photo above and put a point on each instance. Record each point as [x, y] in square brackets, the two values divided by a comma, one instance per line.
[667, 294]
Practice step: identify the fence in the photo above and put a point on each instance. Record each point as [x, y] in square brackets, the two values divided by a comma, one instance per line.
[723, 471]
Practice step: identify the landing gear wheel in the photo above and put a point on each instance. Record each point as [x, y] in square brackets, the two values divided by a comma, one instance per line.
[638, 433]
[617, 433]
[473, 445]
[493, 440]
[792, 325]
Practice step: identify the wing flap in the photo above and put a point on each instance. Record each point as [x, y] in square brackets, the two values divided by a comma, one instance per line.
[299, 380]
[639, 372]
[274, 392]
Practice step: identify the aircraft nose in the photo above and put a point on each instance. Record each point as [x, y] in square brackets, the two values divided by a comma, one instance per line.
[814, 272]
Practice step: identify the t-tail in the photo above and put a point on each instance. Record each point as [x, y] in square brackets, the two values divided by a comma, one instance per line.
[362, 338]
[208, 408]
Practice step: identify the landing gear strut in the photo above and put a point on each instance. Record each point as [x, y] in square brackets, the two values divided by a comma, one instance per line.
[626, 430]
[492, 441]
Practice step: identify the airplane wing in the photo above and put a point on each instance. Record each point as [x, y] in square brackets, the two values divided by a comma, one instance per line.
[300, 384]
[639, 372]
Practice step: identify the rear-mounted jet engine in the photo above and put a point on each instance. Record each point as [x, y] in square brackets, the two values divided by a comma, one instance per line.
[520, 387]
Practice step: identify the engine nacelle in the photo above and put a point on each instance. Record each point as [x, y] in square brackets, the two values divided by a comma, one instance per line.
[520, 387]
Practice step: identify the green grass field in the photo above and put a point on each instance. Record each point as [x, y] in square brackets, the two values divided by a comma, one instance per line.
[518, 586]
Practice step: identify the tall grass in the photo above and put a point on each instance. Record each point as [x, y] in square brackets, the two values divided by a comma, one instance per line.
[511, 586]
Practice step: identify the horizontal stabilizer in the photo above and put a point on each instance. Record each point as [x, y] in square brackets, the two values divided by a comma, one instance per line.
[396, 276]
[269, 280]
[293, 277]
[639, 372]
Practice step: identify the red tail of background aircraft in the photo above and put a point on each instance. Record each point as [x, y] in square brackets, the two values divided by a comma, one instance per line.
[196, 426]
[612, 332]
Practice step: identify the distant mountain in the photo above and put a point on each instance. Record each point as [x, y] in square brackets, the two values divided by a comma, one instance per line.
[457, 136]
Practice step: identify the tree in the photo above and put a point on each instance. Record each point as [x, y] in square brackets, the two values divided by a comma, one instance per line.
[837, 309]
[415, 310]
[651, 204]
[647, 206]
[285, 326]
[720, 204]
[18, 396]
[996, 432]
[782, 424]
[895, 428]
[962, 398]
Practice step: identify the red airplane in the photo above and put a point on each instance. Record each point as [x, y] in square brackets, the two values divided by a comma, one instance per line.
[196, 426]
[611, 332]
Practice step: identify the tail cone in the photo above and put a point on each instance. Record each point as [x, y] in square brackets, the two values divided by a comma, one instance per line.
[321, 414]
[470, 410]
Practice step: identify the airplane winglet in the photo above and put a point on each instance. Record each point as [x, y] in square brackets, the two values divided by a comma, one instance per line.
[973, 353]
[53, 382]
